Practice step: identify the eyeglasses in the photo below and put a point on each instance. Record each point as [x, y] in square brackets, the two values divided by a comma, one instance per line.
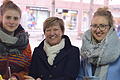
[102, 27]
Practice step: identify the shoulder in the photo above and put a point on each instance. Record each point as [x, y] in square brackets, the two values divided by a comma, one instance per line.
[20, 29]
[75, 48]
[72, 50]
[39, 48]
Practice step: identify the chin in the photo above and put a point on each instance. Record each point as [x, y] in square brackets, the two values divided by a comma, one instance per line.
[99, 40]
[11, 30]
[52, 44]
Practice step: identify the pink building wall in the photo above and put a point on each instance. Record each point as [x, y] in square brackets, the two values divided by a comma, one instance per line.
[78, 6]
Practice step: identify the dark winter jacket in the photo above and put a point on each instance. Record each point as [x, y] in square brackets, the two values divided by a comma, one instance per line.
[65, 65]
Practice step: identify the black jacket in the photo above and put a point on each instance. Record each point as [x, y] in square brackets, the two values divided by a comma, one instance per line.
[65, 65]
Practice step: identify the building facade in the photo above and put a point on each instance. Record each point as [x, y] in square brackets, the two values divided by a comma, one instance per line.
[75, 13]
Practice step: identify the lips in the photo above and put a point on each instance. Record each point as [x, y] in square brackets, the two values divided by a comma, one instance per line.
[11, 26]
[99, 34]
[52, 37]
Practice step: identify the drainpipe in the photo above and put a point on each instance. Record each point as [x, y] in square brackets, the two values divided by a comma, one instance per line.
[91, 11]
[53, 8]
[106, 3]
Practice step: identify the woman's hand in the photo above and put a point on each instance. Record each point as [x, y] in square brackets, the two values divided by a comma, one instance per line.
[38, 79]
[30, 78]
[13, 78]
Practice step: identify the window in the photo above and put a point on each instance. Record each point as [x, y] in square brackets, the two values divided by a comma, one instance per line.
[113, 2]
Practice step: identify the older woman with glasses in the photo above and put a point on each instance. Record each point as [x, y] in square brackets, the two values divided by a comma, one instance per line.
[100, 49]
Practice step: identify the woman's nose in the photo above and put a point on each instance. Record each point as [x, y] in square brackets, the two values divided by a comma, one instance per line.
[11, 21]
[52, 32]
[98, 29]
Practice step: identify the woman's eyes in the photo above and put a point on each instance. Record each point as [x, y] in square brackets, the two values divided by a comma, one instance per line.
[52, 30]
[14, 18]
[8, 17]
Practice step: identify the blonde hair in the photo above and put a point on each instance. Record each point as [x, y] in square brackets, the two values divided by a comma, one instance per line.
[106, 13]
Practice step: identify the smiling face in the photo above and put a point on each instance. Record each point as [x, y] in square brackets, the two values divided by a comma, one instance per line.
[11, 20]
[53, 35]
[97, 33]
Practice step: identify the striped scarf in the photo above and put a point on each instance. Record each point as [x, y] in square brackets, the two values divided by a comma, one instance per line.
[12, 51]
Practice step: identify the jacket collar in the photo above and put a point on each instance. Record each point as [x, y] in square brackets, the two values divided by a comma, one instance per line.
[63, 52]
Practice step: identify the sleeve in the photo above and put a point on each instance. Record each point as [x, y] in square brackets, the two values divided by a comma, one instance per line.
[27, 51]
[81, 71]
[33, 66]
[22, 60]
[27, 56]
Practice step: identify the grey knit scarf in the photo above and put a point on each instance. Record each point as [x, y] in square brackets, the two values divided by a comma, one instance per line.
[12, 44]
[101, 54]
